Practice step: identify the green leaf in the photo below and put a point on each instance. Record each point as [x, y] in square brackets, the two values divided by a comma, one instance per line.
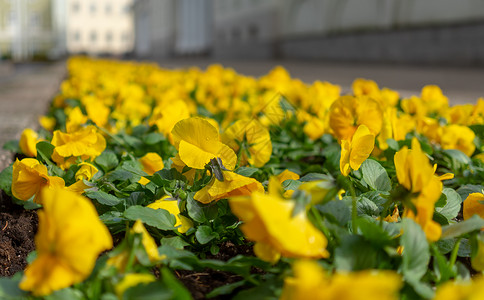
[355, 253]
[373, 232]
[107, 160]
[365, 206]
[44, 151]
[336, 211]
[121, 175]
[175, 241]
[375, 175]
[179, 291]
[416, 255]
[461, 228]
[104, 198]
[153, 290]
[225, 289]
[204, 234]
[291, 184]
[452, 206]
[158, 218]
[9, 289]
[67, 293]
[467, 189]
[246, 171]
[200, 212]
[6, 180]
[153, 138]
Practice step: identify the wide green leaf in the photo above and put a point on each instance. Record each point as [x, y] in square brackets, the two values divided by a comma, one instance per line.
[416, 254]
[375, 175]
[158, 218]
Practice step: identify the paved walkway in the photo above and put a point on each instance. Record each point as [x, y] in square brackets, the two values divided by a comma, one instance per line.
[25, 93]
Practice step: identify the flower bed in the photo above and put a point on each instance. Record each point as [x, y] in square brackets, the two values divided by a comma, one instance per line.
[187, 183]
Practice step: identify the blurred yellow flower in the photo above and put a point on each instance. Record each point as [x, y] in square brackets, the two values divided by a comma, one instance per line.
[416, 174]
[472, 206]
[132, 280]
[458, 137]
[86, 171]
[74, 119]
[461, 290]
[254, 140]
[232, 185]
[348, 112]
[48, 123]
[269, 221]
[120, 260]
[171, 205]
[167, 114]
[28, 142]
[30, 177]
[285, 175]
[68, 242]
[434, 99]
[86, 143]
[310, 281]
[197, 142]
[152, 163]
[356, 150]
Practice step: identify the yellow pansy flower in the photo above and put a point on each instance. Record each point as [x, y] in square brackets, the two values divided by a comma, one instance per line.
[415, 173]
[152, 163]
[85, 143]
[355, 151]
[366, 87]
[30, 177]
[285, 175]
[256, 139]
[171, 205]
[310, 281]
[167, 114]
[75, 119]
[232, 185]
[434, 99]
[86, 171]
[69, 240]
[197, 142]
[269, 221]
[28, 142]
[120, 260]
[48, 123]
[131, 280]
[348, 112]
[472, 205]
[461, 290]
[96, 110]
[458, 137]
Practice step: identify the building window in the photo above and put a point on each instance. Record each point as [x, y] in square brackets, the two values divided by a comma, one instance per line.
[93, 36]
[35, 20]
[76, 7]
[125, 37]
[108, 9]
[76, 36]
[11, 19]
[127, 9]
[109, 37]
[93, 8]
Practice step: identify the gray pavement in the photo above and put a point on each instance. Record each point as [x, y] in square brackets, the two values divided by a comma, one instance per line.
[26, 90]
[25, 93]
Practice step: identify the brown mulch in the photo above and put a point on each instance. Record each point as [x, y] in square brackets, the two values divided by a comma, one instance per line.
[17, 231]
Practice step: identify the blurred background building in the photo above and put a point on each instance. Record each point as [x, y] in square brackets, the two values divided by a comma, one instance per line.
[99, 27]
[400, 31]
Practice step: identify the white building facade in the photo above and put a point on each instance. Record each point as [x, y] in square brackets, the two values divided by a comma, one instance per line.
[99, 27]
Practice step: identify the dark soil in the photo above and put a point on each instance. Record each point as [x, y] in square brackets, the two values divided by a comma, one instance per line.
[17, 231]
[200, 283]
